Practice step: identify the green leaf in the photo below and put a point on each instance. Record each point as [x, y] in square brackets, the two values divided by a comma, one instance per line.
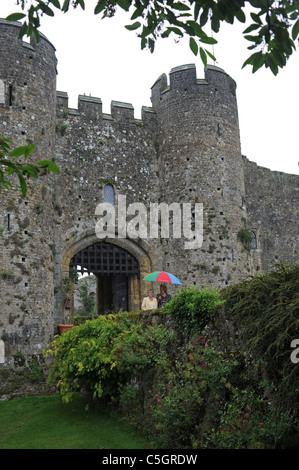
[256, 18]
[295, 30]
[47, 10]
[196, 28]
[204, 17]
[215, 24]
[180, 6]
[81, 3]
[211, 55]
[250, 28]
[208, 40]
[279, 57]
[4, 139]
[23, 30]
[124, 4]
[15, 17]
[29, 150]
[203, 56]
[36, 34]
[176, 31]
[258, 3]
[55, 3]
[151, 44]
[255, 39]
[30, 170]
[137, 13]
[100, 7]
[259, 60]
[49, 165]
[196, 10]
[271, 62]
[240, 15]
[250, 60]
[132, 27]
[193, 46]
[18, 151]
[65, 6]
[23, 184]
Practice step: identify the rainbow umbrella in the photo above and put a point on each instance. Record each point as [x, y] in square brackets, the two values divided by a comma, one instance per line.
[162, 276]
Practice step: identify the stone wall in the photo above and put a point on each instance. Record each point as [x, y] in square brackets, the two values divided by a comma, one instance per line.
[272, 200]
[185, 149]
[93, 149]
[200, 162]
[28, 72]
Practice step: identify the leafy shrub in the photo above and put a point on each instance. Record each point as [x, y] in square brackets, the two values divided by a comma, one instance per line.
[182, 389]
[191, 308]
[245, 237]
[88, 307]
[265, 309]
[102, 354]
[245, 422]
[187, 401]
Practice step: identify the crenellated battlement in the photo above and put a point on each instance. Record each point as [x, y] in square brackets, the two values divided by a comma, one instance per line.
[12, 28]
[92, 107]
[183, 81]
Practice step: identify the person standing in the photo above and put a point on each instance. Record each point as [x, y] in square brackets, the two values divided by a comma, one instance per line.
[149, 303]
[163, 297]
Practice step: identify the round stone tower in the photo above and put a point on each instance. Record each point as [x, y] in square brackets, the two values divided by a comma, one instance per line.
[200, 162]
[27, 109]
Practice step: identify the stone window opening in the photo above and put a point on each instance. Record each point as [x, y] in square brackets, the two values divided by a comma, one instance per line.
[2, 352]
[109, 194]
[10, 97]
[2, 92]
[253, 242]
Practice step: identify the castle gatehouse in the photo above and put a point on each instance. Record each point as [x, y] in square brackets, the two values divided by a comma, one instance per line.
[185, 149]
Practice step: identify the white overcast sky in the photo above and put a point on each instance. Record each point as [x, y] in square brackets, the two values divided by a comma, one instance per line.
[102, 59]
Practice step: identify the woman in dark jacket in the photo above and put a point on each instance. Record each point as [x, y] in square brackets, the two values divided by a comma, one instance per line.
[163, 297]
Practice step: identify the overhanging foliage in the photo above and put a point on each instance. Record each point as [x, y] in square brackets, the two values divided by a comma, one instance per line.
[273, 29]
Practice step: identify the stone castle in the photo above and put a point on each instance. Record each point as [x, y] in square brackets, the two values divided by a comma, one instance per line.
[184, 149]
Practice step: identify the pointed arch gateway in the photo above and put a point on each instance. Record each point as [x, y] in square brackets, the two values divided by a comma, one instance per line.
[113, 267]
[119, 267]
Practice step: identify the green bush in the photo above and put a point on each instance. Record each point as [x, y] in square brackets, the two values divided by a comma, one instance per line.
[181, 388]
[191, 308]
[245, 237]
[170, 387]
[186, 402]
[245, 422]
[265, 309]
[102, 354]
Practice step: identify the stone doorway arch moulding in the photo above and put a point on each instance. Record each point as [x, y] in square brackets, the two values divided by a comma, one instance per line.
[136, 286]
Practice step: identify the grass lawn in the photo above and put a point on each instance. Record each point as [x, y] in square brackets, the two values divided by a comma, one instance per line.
[44, 422]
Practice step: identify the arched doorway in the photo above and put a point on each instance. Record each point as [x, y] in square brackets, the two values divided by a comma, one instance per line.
[116, 272]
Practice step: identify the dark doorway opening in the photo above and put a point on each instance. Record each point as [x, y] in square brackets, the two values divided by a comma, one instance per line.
[116, 271]
[112, 293]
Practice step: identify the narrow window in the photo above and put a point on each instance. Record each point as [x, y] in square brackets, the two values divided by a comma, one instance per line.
[10, 95]
[2, 352]
[253, 243]
[109, 194]
[2, 94]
